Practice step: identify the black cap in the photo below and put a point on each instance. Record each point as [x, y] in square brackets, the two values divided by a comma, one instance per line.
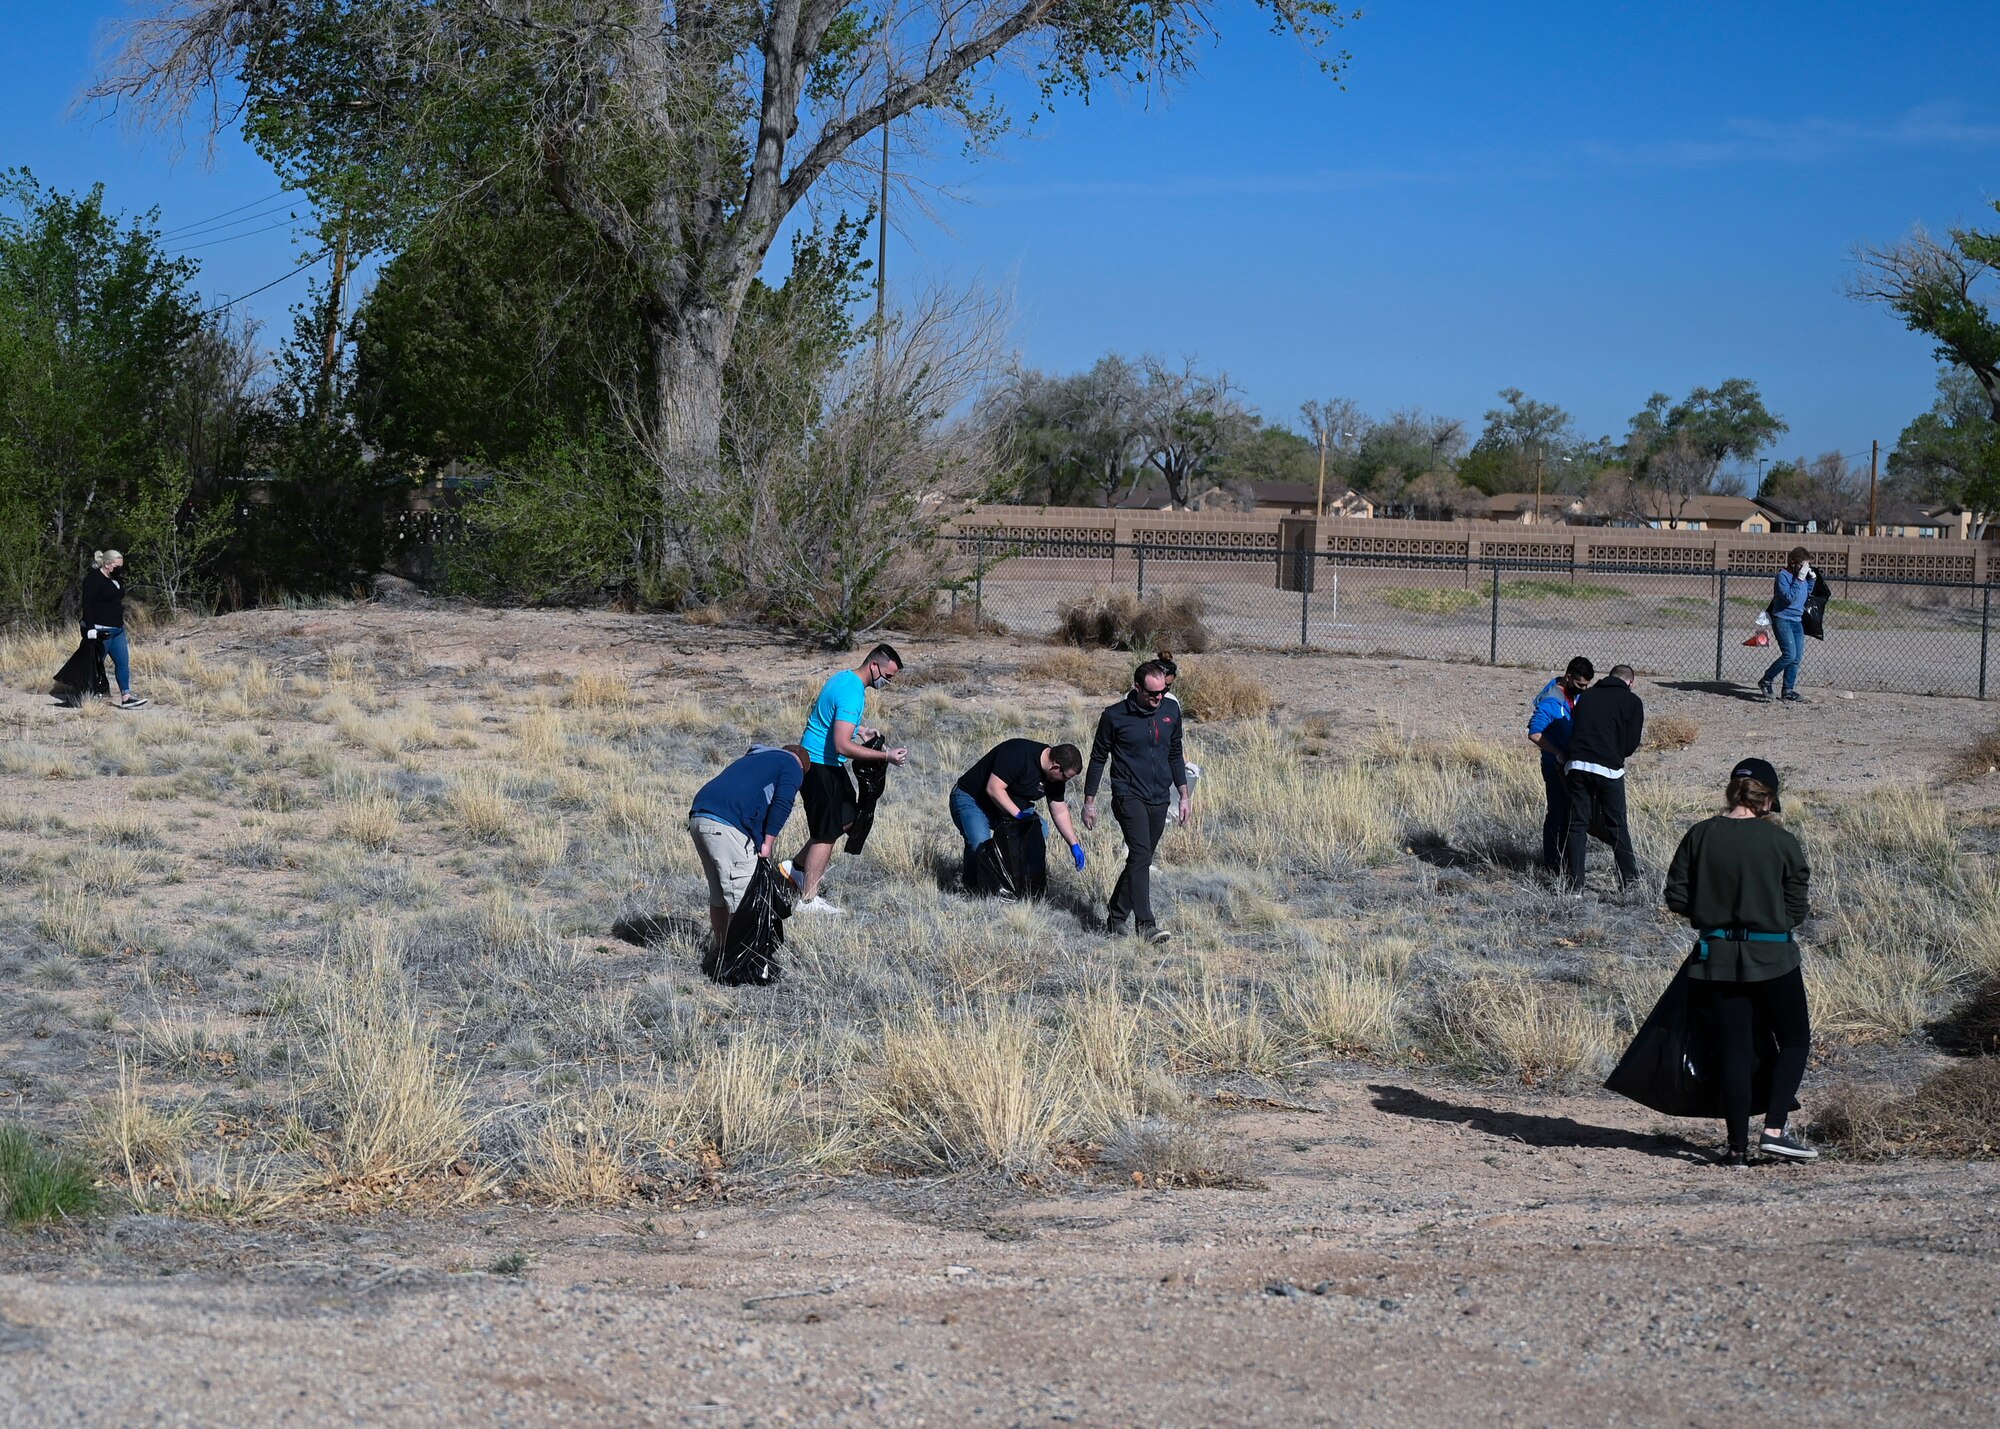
[1763, 773]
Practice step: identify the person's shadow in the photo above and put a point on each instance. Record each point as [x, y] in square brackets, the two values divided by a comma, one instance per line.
[661, 930]
[1747, 693]
[1528, 1127]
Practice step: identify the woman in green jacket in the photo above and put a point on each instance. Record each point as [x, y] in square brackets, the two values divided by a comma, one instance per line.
[1740, 878]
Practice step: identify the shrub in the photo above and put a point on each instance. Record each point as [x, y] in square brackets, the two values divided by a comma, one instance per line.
[40, 1181]
[1980, 757]
[1954, 1114]
[1671, 731]
[1216, 690]
[1539, 1031]
[1544, 589]
[1120, 620]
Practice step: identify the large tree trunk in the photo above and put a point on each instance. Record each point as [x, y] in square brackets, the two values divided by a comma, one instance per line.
[690, 347]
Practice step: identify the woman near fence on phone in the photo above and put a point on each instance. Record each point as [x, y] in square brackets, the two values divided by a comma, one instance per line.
[1788, 610]
[1741, 879]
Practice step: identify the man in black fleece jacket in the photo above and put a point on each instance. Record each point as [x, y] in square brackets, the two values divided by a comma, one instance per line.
[1604, 732]
[1140, 737]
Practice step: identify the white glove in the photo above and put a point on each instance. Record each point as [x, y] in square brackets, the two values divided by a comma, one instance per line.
[91, 633]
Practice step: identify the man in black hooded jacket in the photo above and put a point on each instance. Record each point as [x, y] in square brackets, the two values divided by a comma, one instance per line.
[1140, 738]
[1605, 729]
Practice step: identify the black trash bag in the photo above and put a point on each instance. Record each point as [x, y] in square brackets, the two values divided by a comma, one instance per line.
[749, 954]
[871, 777]
[82, 674]
[1813, 619]
[991, 877]
[1669, 1065]
[1024, 849]
[1662, 1068]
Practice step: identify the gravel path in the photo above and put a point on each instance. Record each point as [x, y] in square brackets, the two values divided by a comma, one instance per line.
[1416, 1254]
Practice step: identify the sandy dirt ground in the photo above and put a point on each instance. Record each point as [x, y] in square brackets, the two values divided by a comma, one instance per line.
[1405, 1250]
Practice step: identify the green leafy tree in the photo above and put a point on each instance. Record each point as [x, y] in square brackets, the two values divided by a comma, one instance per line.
[1525, 444]
[1075, 437]
[1269, 455]
[679, 138]
[94, 324]
[1675, 450]
[1941, 289]
[1951, 454]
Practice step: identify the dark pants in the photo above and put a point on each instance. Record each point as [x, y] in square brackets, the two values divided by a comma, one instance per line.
[1595, 799]
[1735, 1020]
[1555, 823]
[1142, 825]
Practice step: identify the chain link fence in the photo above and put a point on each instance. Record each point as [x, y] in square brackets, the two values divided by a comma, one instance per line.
[1909, 636]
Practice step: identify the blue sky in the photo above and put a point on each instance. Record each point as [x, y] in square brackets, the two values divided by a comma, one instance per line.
[1590, 201]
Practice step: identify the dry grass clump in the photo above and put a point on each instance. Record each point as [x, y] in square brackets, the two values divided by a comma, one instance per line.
[1174, 1152]
[1980, 756]
[395, 1112]
[1216, 689]
[369, 817]
[1120, 620]
[943, 619]
[1954, 1113]
[1346, 1011]
[1092, 672]
[984, 1087]
[479, 807]
[599, 690]
[742, 1104]
[1541, 1032]
[1220, 1027]
[1671, 731]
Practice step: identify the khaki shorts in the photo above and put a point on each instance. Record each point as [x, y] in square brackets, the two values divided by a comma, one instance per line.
[727, 857]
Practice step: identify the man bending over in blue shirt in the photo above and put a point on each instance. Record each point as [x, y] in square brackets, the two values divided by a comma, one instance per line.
[735, 820]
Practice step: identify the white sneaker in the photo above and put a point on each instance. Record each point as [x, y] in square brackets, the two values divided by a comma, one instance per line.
[785, 867]
[818, 904]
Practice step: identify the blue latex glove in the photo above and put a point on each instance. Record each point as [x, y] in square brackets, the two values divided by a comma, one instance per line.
[1024, 814]
[1076, 852]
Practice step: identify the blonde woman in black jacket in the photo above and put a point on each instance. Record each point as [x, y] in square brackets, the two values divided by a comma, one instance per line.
[1741, 879]
[104, 612]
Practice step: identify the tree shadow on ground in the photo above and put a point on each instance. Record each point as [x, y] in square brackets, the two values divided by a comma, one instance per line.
[1530, 1127]
[1746, 693]
[660, 930]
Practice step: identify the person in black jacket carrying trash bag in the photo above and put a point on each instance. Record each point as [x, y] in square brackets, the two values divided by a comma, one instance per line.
[1605, 728]
[1741, 879]
[1140, 738]
[993, 805]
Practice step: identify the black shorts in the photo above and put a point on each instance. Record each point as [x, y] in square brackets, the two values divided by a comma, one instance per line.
[830, 802]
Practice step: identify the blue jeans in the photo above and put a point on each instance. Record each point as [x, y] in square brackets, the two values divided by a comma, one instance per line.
[1791, 638]
[973, 826]
[1555, 822]
[120, 651]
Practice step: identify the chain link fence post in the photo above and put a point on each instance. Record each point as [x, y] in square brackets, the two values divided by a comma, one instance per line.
[1306, 574]
[1493, 633]
[979, 588]
[1141, 549]
[1721, 614]
[1985, 631]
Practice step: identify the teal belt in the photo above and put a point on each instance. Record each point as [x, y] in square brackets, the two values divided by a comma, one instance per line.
[1734, 935]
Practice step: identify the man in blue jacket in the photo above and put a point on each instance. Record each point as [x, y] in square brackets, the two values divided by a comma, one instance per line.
[735, 820]
[1549, 728]
[1789, 594]
[1140, 739]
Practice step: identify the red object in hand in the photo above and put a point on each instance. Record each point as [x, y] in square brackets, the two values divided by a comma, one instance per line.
[1761, 638]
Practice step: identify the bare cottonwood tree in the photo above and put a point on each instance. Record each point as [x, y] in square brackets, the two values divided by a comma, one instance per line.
[1935, 288]
[679, 137]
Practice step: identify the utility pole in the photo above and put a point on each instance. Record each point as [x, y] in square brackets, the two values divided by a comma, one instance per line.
[1319, 506]
[1874, 451]
[335, 303]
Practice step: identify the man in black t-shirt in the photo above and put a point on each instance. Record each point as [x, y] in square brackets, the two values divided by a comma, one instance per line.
[1005, 785]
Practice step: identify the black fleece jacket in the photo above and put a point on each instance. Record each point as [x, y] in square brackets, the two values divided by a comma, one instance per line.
[103, 599]
[1143, 746]
[1606, 724]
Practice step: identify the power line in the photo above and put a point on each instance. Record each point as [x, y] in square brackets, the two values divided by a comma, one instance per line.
[272, 284]
[213, 242]
[204, 222]
[224, 225]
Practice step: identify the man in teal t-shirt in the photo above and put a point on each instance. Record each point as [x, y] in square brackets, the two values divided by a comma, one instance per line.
[832, 738]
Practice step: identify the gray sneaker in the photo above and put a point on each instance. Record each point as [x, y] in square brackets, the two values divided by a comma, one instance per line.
[1783, 1143]
[1156, 935]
